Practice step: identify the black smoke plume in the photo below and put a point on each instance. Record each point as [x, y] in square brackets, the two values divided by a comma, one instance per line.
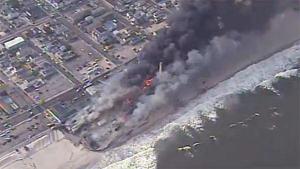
[206, 41]
[198, 21]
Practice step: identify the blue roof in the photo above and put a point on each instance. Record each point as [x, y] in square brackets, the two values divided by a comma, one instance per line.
[110, 26]
[135, 40]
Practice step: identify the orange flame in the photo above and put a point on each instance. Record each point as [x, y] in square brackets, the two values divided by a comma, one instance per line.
[148, 82]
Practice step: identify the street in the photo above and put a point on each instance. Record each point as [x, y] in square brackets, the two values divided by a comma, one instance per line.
[23, 29]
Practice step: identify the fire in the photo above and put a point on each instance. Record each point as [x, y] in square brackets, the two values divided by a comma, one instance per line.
[148, 82]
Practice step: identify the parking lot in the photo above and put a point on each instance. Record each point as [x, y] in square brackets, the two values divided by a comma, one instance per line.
[53, 87]
[128, 52]
[12, 135]
[87, 57]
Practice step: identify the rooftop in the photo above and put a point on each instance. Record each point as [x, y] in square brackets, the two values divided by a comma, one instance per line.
[14, 42]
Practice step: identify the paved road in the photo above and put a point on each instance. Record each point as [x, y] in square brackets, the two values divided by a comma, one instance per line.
[90, 41]
[67, 96]
[5, 79]
[12, 88]
[64, 71]
[60, 17]
[20, 122]
[87, 39]
[120, 17]
[19, 118]
[24, 135]
[119, 68]
[20, 115]
[25, 28]
[168, 11]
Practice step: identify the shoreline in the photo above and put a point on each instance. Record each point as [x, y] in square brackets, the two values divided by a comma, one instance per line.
[131, 151]
[192, 111]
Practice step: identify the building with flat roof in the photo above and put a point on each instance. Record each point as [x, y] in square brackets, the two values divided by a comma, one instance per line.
[60, 113]
[14, 43]
[7, 104]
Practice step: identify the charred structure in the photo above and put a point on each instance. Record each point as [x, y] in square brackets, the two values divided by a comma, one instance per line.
[203, 37]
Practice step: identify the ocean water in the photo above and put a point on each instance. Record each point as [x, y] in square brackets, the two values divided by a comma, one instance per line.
[258, 130]
[162, 146]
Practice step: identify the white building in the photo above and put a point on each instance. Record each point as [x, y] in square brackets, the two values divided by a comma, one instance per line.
[15, 43]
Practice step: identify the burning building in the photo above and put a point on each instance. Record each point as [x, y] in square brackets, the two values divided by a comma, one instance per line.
[204, 43]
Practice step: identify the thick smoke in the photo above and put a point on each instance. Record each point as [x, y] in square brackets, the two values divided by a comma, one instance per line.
[199, 21]
[201, 35]
[204, 38]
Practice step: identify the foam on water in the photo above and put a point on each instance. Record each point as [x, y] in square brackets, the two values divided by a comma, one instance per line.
[260, 74]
